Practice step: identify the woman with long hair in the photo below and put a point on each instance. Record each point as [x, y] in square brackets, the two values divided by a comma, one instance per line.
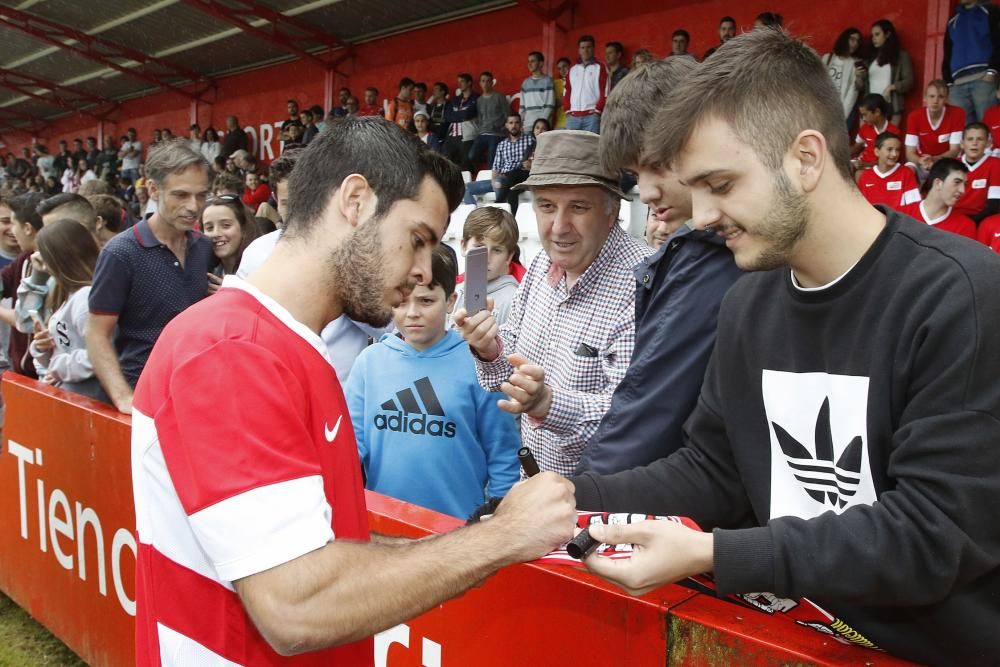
[67, 252]
[210, 144]
[890, 70]
[230, 227]
[847, 71]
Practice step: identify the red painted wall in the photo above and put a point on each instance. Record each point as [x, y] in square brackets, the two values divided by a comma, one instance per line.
[498, 41]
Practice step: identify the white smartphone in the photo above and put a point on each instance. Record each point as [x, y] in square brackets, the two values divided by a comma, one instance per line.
[475, 280]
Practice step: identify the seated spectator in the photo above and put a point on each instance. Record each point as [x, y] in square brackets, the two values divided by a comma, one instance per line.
[874, 121]
[309, 127]
[888, 182]
[82, 174]
[492, 111]
[294, 133]
[400, 109]
[145, 278]
[727, 30]
[194, 137]
[613, 54]
[586, 89]
[944, 187]
[211, 147]
[538, 99]
[256, 192]
[25, 225]
[494, 229]
[142, 202]
[422, 125]
[69, 254]
[110, 217]
[643, 56]
[848, 71]
[991, 119]
[934, 132]
[890, 70]
[227, 184]
[570, 332]
[982, 192]
[989, 233]
[231, 228]
[680, 40]
[371, 107]
[459, 448]
[768, 20]
[508, 166]
[678, 290]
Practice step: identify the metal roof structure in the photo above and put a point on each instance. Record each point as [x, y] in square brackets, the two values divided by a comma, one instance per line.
[85, 56]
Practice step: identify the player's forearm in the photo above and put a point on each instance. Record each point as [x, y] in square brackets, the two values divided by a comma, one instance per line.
[348, 591]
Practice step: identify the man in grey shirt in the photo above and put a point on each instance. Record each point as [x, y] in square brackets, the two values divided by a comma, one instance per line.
[492, 108]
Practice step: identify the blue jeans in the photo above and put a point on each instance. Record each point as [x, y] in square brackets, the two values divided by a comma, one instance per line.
[591, 123]
[474, 188]
[974, 97]
[487, 141]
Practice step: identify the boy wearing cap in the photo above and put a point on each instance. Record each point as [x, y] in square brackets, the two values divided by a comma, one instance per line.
[422, 125]
[571, 330]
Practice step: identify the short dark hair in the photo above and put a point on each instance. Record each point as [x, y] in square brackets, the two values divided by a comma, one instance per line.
[295, 102]
[487, 74]
[317, 111]
[406, 82]
[444, 270]
[770, 19]
[886, 136]
[465, 76]
[77, 207]
[564, 59]
[681, 32]
[632, 106]
[226, 182]
[977, 125]
[727, 19]
[282, 167]
[586, 38]
[109, 209]
[307, 112]
[344, 88]
[25, 208]
[372, 89]
[617, 46]
[394, 161]
[873, 102]
[537, 54]
[768, 87]
[442, 85]
[420, 85]
[942, 169]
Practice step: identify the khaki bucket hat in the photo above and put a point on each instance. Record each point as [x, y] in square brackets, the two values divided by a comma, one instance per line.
[569, 157]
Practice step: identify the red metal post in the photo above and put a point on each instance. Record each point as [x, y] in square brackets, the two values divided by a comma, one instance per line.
[937, 23]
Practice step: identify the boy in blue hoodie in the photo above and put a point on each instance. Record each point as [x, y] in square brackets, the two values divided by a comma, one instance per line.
[427, 432]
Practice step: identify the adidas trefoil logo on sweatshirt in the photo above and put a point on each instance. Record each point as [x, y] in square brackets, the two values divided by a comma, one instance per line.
[407, 415]
[818, 426]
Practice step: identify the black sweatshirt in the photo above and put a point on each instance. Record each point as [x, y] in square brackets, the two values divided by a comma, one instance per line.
[856, 430]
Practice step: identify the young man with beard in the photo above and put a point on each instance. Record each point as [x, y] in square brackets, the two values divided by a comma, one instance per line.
[508, 165]
[148, 275]
[252, 529]
[678, 290]
[844, 446]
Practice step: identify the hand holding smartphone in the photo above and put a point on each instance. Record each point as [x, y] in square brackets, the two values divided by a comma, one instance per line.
[475, 280]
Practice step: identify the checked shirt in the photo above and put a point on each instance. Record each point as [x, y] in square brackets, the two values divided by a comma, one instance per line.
[510, 154]
[582, 337]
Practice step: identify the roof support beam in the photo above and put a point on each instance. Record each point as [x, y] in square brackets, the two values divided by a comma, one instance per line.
[56, 94]
[99, 50]
[285, 32]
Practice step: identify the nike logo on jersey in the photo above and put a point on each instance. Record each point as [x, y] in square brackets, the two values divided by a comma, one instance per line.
[996, 234]
[869, 185]
[332, 433]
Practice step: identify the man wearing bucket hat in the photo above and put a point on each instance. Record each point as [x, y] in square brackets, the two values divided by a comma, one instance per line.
[570, 333]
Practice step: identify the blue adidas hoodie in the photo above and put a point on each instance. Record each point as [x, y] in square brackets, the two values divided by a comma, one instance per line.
[427, 432]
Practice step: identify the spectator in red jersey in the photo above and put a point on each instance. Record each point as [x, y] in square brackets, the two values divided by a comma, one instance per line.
[991, 119]
[874, 121]
[370, 107]
[933, 132]
[944, 187]
[256, 192]
[890, 71]
[982, 194]
[889, 182]
[989, 233]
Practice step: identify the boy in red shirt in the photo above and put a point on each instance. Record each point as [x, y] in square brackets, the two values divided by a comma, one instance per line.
[944, 186]
[874, 121]
[989, 232]
[933, 132]
[889, 182]
[991, 119]
[982, 194]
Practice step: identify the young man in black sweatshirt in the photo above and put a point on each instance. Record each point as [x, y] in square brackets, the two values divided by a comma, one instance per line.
[846, 443]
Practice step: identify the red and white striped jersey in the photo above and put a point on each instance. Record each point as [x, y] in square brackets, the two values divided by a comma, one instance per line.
[952, 221]
[983, 184]
[243, 458]
[895, 188]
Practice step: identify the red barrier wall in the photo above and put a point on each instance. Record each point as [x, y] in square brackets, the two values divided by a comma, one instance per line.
[70, 457]
[499, 41]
